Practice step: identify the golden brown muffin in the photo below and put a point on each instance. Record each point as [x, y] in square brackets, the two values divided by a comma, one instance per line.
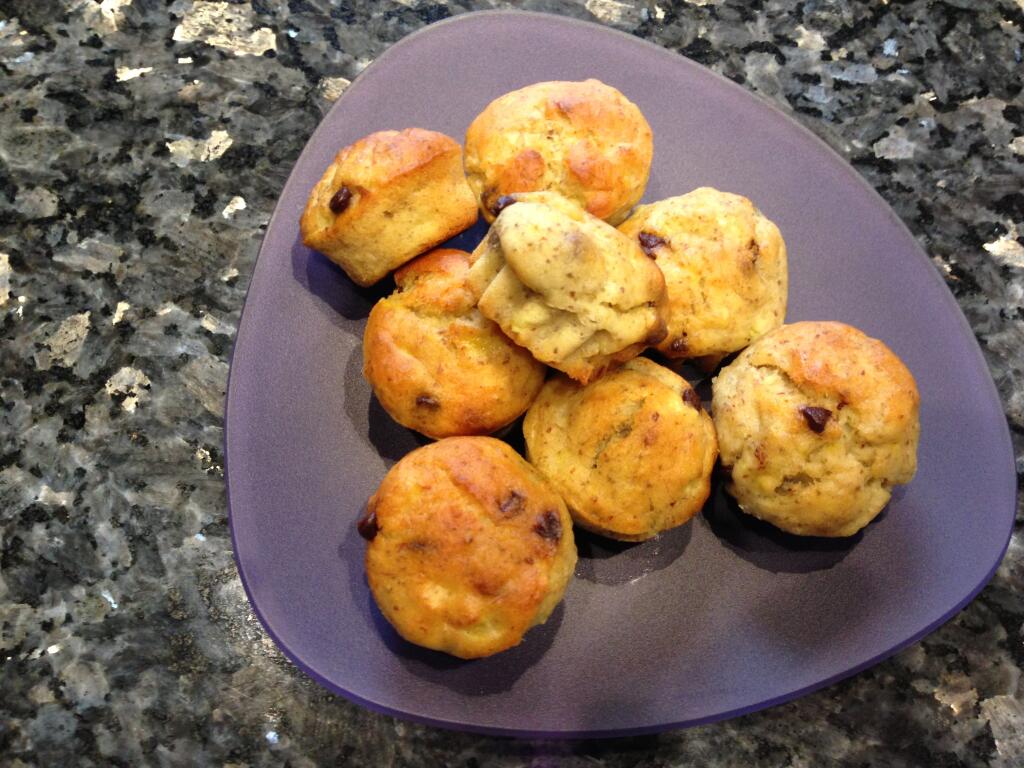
[584, 140]
[631, 453]
[469, 547]
[816, 423]
[577, 293]
[387, 198]
[435, 363]
[725, 270]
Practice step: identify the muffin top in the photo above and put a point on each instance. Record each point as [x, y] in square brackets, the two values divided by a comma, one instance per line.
[469, 546]
[631, 453]
[584, 140]
[816, 421]
[567, 286]
[725, 270]
[387, 198]
[435, 363]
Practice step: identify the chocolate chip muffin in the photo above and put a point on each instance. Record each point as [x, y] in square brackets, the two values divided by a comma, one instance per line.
[468, 547]
[816, 423]
[584, 140]
[725, 271]
[577, 293]
[631, 453]
[435, 363]
[387, 198]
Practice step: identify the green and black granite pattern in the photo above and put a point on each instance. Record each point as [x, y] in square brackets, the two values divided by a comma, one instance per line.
[142, 146]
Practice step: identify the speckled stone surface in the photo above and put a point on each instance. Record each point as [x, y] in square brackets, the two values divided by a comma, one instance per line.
[142, 146]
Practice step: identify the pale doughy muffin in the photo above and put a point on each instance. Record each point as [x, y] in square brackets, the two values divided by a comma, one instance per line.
[435, 363]
[584, 140]
[387, 198]
[725, 270]
[469, 547]
[816, 422]
[631, 453]
[577, 293]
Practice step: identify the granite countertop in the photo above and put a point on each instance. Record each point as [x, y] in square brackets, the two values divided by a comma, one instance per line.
[142, 147]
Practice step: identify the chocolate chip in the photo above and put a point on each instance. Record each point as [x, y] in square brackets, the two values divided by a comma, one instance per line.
[678, 346]
[501, 204]
[548, 526]
[367, 525]
[650, 242]
[512, 504]
[692, 399]
[427, 401]
[815, 417]
[340, 200]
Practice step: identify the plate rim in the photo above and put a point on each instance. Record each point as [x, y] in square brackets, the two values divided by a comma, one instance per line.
[771, 109]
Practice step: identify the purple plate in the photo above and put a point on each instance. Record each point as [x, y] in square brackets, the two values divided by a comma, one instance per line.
[718, 618]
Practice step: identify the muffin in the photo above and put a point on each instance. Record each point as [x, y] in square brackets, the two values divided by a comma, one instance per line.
[816, 422]
[435, 363]
[725, 271]
[577, 293]
[631, 453]
[387, 198]
[584, 140]
[468, 547]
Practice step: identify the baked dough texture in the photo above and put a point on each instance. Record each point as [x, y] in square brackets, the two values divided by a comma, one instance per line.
[725, 270]
[469, 547]
[387, 198]
[584, 140]
[435, 363]
[816, 422]
[577, 293]
[631, 453]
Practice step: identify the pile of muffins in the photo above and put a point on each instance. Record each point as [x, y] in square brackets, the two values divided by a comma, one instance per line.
[470, 544]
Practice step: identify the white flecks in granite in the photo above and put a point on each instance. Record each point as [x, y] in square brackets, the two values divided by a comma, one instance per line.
[214, 324]
[206, 378]
[330, 88]
[861, 74]
[104, 16]
[957, 692]
[1017, 145]
[184, 59]
[5, 278]
[895, 146]
[890, 47]
[235, 204]
[615, 12]
[131, 384]
[91, 255]
[47, 495]
[1007, 247]
[36, 202]
[130, 73]
[64, 345]
[187, 149]
[119, 310]
[190, 92]
[227, 26]
[1005, 715]
[810, 39]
